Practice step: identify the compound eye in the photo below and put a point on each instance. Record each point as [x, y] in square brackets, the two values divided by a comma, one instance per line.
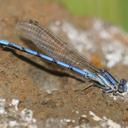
[121, 86]
[123, 81]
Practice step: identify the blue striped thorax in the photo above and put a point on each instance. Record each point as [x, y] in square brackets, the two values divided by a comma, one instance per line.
[111, 84]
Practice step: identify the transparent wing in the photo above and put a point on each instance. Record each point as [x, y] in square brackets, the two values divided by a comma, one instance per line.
[52, 46]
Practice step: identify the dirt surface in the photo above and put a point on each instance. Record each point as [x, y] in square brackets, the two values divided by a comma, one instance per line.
[29, 79]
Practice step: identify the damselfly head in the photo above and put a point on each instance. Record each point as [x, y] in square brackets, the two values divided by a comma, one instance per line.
[123, 86]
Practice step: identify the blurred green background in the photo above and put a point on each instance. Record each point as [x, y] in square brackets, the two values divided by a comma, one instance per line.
[114, 11]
